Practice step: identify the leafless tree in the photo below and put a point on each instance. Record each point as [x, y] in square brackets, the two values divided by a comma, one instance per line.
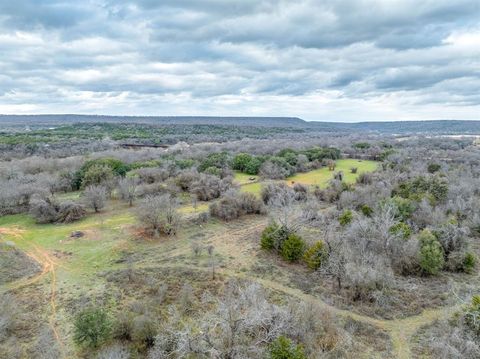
[127, 189]
[159, 214]
[94, 197]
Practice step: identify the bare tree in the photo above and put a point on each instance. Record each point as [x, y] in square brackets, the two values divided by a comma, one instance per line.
[127, 189]
[159, 214]
[94, 197]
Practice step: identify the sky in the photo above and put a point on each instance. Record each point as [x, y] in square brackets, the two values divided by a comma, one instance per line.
[331, 60]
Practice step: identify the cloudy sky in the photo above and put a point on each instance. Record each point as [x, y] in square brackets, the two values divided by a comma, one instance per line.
[339, 60]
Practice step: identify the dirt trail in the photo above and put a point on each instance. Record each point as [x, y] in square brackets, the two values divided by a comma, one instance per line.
[229, 242]
[399, 330]
[42, 257]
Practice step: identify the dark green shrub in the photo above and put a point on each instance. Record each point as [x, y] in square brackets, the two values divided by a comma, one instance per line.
[118, 168]
[362, 145]
[433, 167]
[241, 161]
[366, 210]
[218, 160]
[267, 240]
[321, 153]
[431, 253]
[283, 348]
[184, 164]
[315, 255]
[97, 175]
[422, 187]
[469, 262]
[273, 237]
[215, 171]
[404, 208]
[292, 248]
[253, 166]
[92, 327]
[345, 218]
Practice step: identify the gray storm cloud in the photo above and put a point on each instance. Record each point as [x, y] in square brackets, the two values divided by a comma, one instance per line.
[331, 60]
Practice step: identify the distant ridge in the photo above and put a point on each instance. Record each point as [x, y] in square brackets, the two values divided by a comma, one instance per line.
[437, 127]
[173, 120]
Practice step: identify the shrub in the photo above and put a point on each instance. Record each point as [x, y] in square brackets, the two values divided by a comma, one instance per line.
[469, 262]
[273, 170]
[353, 170]
[283, 348]
[123, 326]
[250, 204]
[117, 168]
[365, 178]
[97, 175]
[236, 204]
[452, 237]
[401, 229]
[44, 210]
[217, 160]
[114, 351]
[94, 197]
[472, 315]
[345, 218]
[315, 255]
[420, 187]
[92, 327]
[127, 189]
[433, 167]
[270, 191]
[48, 210]
[267, 240]
[292, 248]
[185, 179]
[240, 161]
[70, 211]
[207, 187]
[144, 331]
[202, 217]
[366, 210]
[159, 214]
[226, 208]
[273, 237]
[431, 253]
[253, 167]
[301, 191]
[404, 208]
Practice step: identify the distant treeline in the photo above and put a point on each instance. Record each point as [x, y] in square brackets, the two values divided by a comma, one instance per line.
[13, 122]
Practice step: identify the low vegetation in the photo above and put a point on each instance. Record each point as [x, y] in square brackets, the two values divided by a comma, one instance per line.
[272, 246]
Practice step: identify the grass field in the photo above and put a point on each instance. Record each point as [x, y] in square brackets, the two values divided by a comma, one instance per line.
[243, 178]
[318, 177]
[321, 176]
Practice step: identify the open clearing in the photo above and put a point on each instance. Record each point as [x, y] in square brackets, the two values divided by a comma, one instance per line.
[319, 177]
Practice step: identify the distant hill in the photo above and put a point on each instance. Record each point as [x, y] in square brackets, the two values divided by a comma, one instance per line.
[170, 120]
[391, 127]
[403, 127]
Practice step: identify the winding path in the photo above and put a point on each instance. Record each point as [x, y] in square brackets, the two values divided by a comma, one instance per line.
[399, 330]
